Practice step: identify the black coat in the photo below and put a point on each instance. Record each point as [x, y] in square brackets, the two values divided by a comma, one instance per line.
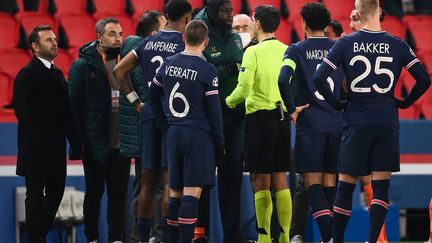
[41, 105]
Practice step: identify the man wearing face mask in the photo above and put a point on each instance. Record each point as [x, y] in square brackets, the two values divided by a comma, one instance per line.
[94, 100]
[225, 51]
[243, 25]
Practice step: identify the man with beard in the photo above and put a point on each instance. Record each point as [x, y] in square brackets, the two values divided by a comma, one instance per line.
[225, 51]
[94, 99]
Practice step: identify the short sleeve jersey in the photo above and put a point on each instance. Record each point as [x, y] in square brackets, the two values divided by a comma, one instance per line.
[186, 80]
[152, 53]
[305, 57]
[372, 61]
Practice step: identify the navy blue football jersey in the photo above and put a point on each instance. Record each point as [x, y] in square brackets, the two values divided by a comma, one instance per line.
[372, 61]
[308, 56]
[188, 81]
[151, 54]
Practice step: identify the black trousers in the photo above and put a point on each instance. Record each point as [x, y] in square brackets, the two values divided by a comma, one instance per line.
[230, 174]
[43, 197]
[300, 209]
[113, 173]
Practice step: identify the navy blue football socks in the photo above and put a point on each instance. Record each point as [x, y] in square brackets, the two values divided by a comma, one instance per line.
[378, 208]
[342, 210]
[172, 219]
[320, 210]
[187, 218]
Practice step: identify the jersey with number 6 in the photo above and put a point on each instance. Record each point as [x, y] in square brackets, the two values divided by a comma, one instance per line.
[187, 81]
[151, 54]
[372, 61]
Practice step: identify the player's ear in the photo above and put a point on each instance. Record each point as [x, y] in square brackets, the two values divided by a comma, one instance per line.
[184, 37]
[206, 42]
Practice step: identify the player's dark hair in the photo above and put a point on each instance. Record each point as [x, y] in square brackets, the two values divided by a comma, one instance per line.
[196, 32]
[148, 23]
[316, 15]
[337, 27]
[175, 9]
[268, 16]
[34, 35]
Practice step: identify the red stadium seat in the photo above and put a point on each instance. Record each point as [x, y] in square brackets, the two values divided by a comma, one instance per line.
[63, 62]
[9, 31]
[5, 94]
[394, 26]
[339, 8]
[419, 26]
[29, 20]
[11, 61]
[426, 109]
[196, 3]
[408, 83]
[109, 7]
[79, 29]
[283, 33]
[411, 113]
[237, 6]
[140, 6]
[255, 3]
[128, 25]
[42, 8]
[66, 7]
[294, 7]
[297, 25]
[345, 22]
[426, 58]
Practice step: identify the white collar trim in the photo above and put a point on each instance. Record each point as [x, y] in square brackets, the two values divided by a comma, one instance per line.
[46, 63]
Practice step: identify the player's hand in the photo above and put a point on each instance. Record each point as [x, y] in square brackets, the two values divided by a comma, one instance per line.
[219, 153]
[138, 106]
[297, 111]
[400, 103]
[341, 105]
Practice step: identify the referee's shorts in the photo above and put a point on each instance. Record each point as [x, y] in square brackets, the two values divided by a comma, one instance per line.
[267, 142]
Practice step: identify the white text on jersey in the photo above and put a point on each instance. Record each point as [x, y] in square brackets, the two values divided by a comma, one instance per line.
[178, 72]
[161, 46]
[382, 48]
[316, 54]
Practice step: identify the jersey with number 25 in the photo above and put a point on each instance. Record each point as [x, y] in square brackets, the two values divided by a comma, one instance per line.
[372, 61]
[152, 53]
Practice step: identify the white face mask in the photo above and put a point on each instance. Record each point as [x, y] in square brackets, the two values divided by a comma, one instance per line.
[246, 38]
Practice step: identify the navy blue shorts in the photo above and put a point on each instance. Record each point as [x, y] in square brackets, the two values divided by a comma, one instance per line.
[153, 145]
[318, 152]
[190, 158]
[369, 148]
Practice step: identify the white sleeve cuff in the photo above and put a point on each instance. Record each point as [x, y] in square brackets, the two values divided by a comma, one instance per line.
[132, 96]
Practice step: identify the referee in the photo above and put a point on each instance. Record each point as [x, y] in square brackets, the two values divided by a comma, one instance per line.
[267, 131]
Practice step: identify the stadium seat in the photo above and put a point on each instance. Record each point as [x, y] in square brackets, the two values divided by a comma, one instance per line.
[294, 7]
[11, 61]
[339, 8]
[237, 6]
[411, 113]
[109, 7]
[283, 33]
[196, 3]
[345, 22]
[419, 27]
[426, 109]
[408, 83]
[252, 4]
[9, 31]
[394, 26]
[128, 25]
[79, 29]
[5, 94]
[426, 58]
[63, 62]
[66, 7]
[297, 26]
[140, 6]
[29, 20]
[41, 8]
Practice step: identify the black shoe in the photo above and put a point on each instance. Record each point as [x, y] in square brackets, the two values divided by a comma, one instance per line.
[201, 240]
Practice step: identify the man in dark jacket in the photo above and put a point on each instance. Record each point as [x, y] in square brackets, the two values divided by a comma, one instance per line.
[41, 106]
[94, 100]
[225, 51]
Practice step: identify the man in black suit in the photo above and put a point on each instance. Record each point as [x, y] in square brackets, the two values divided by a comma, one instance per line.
[41, 105]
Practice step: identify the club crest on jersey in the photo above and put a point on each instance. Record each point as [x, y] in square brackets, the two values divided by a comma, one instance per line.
[412, 52]
[239, 44]
[215, 82]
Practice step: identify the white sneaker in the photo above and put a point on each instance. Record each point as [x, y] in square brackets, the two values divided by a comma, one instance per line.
[95, 241]
[297, 239]
[117, 241]
[330, 241]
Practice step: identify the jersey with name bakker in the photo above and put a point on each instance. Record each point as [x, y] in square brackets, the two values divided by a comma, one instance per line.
[152, 53]
[319, 116]
[186, 80]
[372, 61]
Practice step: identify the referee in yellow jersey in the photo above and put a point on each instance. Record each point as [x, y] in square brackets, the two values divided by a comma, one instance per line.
[267, 130]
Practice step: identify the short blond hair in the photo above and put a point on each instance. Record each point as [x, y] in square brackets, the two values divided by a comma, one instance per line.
[367, 8]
